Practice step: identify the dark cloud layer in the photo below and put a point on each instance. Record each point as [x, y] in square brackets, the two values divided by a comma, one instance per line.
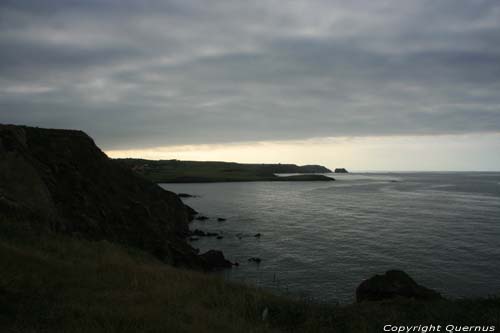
[153, 73]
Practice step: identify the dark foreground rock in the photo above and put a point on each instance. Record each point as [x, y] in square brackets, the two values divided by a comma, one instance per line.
[214, 260]
[392, 284]
[66, 184]
[201, 233]
[191, 213]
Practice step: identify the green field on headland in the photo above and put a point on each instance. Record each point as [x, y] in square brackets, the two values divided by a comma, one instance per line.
[174, 171]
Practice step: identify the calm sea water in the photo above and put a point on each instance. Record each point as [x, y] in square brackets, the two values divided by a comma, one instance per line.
[321, 240]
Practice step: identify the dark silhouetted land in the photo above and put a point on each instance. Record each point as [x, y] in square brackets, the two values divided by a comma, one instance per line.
[175, 171]
[56, 283]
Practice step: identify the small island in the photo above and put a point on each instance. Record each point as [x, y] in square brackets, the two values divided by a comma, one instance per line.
[340, 170]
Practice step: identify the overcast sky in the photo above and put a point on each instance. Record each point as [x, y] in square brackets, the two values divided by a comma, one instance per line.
[194, 77]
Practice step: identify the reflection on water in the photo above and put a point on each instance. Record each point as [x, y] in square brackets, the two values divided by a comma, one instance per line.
[322, 239]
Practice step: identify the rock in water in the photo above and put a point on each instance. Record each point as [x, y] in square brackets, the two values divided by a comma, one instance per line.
[66, 184]
[198, 232]
[215, 260]
[392, 284]
[255, 259]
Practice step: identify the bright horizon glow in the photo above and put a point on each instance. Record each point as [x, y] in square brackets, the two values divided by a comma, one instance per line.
[470, 152]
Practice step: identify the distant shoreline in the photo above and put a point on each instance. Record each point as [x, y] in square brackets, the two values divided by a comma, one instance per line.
[174, 171]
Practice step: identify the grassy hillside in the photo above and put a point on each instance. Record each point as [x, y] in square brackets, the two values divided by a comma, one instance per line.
[174, 171]
[54, 283]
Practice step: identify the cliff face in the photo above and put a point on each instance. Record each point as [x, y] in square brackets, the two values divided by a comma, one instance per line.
[63, 179]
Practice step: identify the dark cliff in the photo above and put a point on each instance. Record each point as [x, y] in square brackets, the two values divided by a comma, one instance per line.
[68, 185]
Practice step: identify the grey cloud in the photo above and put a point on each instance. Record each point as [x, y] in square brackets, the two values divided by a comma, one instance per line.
[140, 74]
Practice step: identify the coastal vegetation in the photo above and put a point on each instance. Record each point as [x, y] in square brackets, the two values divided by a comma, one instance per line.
[56, 283]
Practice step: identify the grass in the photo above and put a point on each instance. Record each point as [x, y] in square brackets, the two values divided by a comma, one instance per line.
[54, 283]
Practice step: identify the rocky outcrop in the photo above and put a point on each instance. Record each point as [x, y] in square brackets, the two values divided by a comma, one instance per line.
[201, 233]
[392, 284]
[63, 179]
[215, 260]
[255, 260]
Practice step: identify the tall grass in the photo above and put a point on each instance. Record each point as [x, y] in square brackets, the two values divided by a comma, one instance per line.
[55, 283]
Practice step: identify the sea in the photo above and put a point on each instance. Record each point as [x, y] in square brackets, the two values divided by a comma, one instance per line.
[320, 240]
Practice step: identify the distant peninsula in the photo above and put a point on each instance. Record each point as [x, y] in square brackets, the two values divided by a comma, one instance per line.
[175, 171]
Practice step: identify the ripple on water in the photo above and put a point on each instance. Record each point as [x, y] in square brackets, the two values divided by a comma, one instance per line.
[322, 240]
